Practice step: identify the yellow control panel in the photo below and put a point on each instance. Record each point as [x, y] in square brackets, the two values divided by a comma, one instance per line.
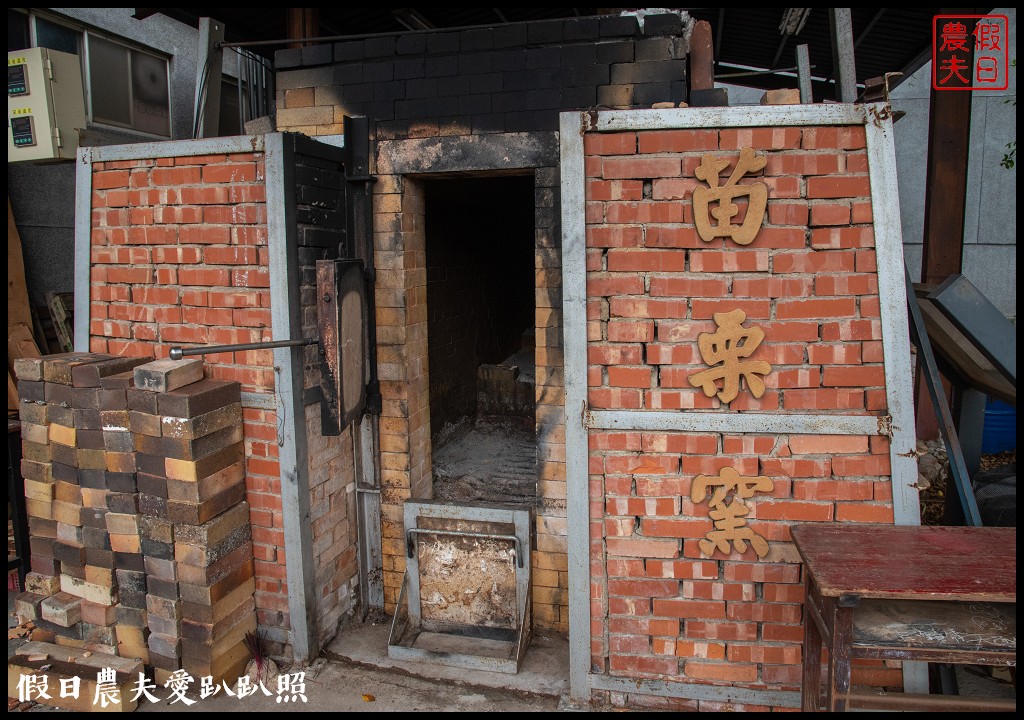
[45, 105]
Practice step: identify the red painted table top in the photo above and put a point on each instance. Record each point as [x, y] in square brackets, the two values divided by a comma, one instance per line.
[911, 562]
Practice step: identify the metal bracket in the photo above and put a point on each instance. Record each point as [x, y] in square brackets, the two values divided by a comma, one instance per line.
[411, 533]
[957, 464]
[342, 337]
[451, 633]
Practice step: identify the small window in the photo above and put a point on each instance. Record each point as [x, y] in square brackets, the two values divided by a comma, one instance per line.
[128, 87]
[17, 31]
[125, 86]
[230, 115]
[56, 37]
[150, 96]
[110, 91]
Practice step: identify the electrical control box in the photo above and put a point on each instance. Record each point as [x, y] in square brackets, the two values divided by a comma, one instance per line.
[45, 105]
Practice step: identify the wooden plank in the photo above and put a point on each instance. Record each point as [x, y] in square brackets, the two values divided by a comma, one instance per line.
[946, 626]
[20, 344]
[961, 356]
[12, 394]
[87, 660]
[949, 138]
[45, 336]
[62, 321]
[918, 702]
[18, 311]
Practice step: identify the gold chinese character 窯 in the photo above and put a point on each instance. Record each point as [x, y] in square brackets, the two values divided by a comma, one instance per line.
[730, 519]
[723, 350]
[757, 194]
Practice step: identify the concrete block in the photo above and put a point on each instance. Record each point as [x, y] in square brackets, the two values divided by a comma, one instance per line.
[166, 375]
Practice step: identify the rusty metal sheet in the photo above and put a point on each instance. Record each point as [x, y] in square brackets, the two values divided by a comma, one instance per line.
[341, 325]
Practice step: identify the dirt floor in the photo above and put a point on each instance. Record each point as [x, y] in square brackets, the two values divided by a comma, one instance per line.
[492, 460]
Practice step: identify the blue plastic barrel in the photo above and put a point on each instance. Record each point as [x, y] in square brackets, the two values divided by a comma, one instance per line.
[1000, 432]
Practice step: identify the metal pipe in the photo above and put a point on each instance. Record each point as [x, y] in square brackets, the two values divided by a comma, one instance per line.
[241, 91]
[363, 36]
[752, 73]
[178, 353]
[251, 79]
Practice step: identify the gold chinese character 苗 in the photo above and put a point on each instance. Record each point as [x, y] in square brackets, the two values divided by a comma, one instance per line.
[724, 351]
[730, 518]
[756, 193]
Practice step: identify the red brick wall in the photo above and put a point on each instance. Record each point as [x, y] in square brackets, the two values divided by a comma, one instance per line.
[661, 609]
[179, 256]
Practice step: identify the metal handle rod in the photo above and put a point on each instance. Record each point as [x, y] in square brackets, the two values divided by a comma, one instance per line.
[178, 353]
[411, 533]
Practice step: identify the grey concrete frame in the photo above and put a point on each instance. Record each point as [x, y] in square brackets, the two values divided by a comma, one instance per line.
[898, 425]
[520, 517]
[286, 325]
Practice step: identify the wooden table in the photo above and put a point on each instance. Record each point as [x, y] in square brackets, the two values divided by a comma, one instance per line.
[927, 594]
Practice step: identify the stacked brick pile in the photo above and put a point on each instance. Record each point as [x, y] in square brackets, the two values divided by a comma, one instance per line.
[72, 590]
[135, 486]
[122, 519]
[196, 533]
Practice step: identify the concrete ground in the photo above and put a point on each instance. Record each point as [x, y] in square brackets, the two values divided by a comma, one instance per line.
[354, 674]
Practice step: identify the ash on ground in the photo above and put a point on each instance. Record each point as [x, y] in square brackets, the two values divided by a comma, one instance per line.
[493, 459]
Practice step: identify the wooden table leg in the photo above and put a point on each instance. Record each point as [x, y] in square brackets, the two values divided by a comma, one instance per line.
[811, 689]
[840, 661]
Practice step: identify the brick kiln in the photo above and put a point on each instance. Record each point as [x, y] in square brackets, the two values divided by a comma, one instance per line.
[546, 302]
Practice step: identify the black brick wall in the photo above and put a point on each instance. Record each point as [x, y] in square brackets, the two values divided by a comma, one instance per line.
[510, 78]
[321, 235]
